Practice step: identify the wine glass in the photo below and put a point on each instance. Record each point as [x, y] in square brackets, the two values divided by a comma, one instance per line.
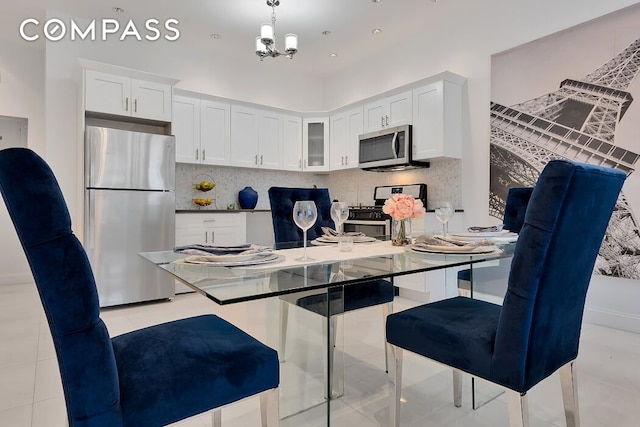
[305, 214]
[339, 214]
[444, 212]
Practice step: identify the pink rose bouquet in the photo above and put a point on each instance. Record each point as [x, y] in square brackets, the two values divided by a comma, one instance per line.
[403, 206]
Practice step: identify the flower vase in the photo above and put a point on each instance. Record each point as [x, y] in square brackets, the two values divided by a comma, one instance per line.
[401, 232]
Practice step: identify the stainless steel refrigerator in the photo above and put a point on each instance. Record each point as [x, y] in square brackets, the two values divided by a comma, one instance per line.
[129, 208]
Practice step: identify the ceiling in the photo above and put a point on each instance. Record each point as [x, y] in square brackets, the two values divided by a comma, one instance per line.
[237, 21]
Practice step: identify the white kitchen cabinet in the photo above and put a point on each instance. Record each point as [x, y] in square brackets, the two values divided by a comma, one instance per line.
[437, 120]
[345, 129]
[387, 112]
[202, 129]
[221, 229]
[292, 144]
[270, 139]
[125, 96]
[256, 138]
[315, 144]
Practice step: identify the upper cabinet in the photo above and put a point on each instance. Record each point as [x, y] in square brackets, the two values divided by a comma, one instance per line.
[292, 146]
[202, 129]
[315, 144]
[389, 111]
[345, 128]
[437, 120]
[256, 138]
[126, 96]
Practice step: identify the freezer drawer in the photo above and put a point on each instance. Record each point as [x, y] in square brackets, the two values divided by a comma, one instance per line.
[119, 224]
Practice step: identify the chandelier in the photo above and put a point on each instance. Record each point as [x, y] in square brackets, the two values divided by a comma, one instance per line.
[265, 42]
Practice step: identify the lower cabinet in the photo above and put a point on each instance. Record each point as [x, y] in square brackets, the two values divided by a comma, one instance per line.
[221, 229]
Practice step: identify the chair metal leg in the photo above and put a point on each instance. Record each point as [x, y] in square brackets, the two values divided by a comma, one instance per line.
[216, 418]
[284, 317]
[270, 408]
[386, 309]
[457, 388]
[396, 388]
[518, 409]
[569, 384]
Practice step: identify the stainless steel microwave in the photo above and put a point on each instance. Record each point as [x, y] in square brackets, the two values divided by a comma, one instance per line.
[388, 149]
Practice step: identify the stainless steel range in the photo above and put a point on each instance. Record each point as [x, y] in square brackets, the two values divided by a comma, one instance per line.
[370, 219]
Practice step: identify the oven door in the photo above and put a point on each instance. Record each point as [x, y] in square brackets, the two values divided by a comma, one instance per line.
[369, 227]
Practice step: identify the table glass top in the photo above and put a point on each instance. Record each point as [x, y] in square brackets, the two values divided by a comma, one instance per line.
[226, 285]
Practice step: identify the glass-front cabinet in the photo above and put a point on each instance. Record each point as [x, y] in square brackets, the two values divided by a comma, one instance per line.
[315, 148]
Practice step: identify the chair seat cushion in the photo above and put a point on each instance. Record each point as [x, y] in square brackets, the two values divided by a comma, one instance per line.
[459, 332]
[356, 296]
[178, 369]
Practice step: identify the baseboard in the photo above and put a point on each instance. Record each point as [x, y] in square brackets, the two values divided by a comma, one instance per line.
[612, 319]
[15, 279]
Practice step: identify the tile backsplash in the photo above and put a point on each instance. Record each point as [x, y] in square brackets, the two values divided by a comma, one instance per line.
[443, 179]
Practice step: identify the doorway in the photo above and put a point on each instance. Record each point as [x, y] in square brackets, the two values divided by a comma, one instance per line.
[13, 132]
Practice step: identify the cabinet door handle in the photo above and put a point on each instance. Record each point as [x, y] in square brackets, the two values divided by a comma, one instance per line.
[256, 161]
[381, 121]
[209, 220]
[342, 160]
[387, 120]
[126, 104]
[135, 105]
[206, 237]
[204, 155]
[213, 237]
[299, 163]
[346, 160]
[260, 159]
[197, 154]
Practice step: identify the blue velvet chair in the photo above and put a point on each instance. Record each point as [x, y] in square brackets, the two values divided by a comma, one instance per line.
[515, 207]
[149, 377]
[536, 331]
[288, 235]
[490, 281]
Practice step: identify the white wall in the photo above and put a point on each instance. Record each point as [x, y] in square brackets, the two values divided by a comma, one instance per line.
[21, 95]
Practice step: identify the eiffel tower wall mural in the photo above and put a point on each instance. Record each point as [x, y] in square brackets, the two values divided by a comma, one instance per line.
[573, 95]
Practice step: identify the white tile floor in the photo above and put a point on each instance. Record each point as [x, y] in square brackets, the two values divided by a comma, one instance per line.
[31, 394]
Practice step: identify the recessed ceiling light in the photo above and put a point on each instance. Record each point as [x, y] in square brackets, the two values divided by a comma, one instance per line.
[333, 55]
[376, 31]
[118, 10]
[376, 1]
[326, 32]
[216, 36]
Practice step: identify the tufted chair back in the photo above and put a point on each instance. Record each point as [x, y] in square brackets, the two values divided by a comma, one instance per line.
[539, 325]
[286, 232]
[69, 296]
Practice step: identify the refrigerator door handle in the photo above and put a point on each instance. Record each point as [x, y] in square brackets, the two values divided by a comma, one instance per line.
[91, 224]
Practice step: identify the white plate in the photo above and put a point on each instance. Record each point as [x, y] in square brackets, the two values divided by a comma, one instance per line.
[462, 250]
[214, 260]
[485, 234]
[336, 239]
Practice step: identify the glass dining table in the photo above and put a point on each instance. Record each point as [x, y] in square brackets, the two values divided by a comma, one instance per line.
[305, 383]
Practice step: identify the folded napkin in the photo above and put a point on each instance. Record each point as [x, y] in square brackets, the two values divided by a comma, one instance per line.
[333, 233]
[197, 249]
[429, 240]
[492, 228]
